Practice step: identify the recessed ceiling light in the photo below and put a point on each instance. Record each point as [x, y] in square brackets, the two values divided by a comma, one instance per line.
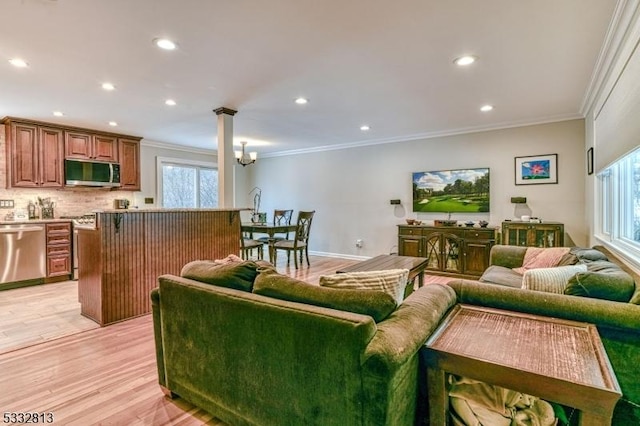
[19, 63]
[301, 101]
[58, 113]
[463, 61]
[486, 108]
[170, 102]
[165, 43]
[364, 128]
[113, 123]
[108, 86]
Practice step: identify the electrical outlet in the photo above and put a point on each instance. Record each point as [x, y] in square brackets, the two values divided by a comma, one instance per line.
[6, 204]
[359, 243]
[148, 200]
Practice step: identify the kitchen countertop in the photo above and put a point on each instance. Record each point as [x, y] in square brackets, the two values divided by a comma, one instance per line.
[24, 222]
[157, 210]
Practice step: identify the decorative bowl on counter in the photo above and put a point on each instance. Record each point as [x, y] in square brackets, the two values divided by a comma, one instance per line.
[410, 221]
[417, 222]
[449, 222]
[470, 223]
[483, 223]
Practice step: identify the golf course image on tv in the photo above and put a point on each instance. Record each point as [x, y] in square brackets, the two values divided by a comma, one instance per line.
[451, 191]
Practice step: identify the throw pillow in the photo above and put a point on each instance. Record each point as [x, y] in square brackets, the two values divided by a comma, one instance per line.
[550, 280]
[237, 275]
[376, 304]
[390, 281]
[635, 299]
[538, 257]
[614, 285]
[501, 275]
[588, 254]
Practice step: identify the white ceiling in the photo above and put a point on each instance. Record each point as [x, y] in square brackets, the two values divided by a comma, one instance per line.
[386, 63]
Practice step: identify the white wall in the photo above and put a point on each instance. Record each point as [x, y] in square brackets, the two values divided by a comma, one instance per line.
[350, 188]
[149, 152]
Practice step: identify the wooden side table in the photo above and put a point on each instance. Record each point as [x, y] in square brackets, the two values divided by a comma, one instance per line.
[557, 360]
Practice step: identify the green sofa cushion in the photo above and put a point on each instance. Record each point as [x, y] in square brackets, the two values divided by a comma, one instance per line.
[588, 254]
[501, 275]
[236, 275]
[376, 304]
[606, 283]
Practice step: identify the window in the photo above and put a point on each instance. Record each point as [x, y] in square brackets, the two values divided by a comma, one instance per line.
[187, 184]
[619, 194]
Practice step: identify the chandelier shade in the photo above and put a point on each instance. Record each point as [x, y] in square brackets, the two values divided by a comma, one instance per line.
[244, 158]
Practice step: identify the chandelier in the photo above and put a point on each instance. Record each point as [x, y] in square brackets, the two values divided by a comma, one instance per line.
[244, 158]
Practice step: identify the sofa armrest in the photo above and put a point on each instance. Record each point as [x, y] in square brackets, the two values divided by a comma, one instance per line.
[391, 375]
[603, 313]
[507, 256]
[403, 332]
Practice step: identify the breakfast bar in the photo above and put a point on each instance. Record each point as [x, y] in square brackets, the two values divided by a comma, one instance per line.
[121, 259]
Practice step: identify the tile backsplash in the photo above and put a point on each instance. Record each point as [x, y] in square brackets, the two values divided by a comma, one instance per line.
[67, 202]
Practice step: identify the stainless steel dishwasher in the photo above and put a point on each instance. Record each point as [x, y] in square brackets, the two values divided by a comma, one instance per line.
[22, 252]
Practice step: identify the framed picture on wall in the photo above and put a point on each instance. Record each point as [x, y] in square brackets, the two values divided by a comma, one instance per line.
[590, 161]
[536, 169]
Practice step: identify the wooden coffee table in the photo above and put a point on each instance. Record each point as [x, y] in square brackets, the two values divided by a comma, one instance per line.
[415, 265]
[557, 360]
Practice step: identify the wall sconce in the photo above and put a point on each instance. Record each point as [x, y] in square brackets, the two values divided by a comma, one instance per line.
[521, 210]
[243, 158]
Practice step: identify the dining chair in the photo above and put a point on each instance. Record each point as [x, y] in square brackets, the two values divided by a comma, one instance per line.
[280, 217]
[247, 245]
[300, 242]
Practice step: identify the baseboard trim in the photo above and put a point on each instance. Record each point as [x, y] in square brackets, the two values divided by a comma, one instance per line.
[339, 255]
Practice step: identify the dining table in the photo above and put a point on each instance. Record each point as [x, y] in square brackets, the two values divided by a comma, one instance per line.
[271, 230]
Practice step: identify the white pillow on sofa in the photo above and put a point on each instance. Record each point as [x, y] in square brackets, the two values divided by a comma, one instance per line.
[550, 280]
[391, 281]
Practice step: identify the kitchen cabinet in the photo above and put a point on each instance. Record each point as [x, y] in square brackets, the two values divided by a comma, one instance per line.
[547, 234]
[34, 155]
[90, 146]
[36, 151]
[129, 154]
[449, 250]
[58, 241]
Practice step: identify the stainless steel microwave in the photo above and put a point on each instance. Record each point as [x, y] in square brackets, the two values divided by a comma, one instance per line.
[91, 173]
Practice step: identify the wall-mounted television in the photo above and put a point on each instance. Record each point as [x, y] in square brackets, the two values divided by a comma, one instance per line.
[451, 191]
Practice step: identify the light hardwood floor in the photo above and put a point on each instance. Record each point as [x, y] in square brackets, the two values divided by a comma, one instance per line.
[101, 376]
[106, 375]
[37, 314]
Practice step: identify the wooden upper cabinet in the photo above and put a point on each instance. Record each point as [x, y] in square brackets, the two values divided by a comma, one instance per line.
[51, 166]
[105, 148]
[129, 164]
[34, 155]
[87, 146]
[77, 145]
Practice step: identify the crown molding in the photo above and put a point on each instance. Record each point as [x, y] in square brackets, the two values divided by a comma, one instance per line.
[620, 40]
[183, 148]
[428, 135]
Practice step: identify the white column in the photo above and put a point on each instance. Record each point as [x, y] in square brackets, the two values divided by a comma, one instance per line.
[226, 158]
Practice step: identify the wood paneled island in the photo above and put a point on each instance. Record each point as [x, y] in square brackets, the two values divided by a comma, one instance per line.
[120, 260]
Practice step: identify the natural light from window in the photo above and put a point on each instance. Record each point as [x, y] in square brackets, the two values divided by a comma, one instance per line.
[187, 184]
[619, 195]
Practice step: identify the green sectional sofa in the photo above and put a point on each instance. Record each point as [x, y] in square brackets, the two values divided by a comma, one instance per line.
[253, 359]
[254, 347]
